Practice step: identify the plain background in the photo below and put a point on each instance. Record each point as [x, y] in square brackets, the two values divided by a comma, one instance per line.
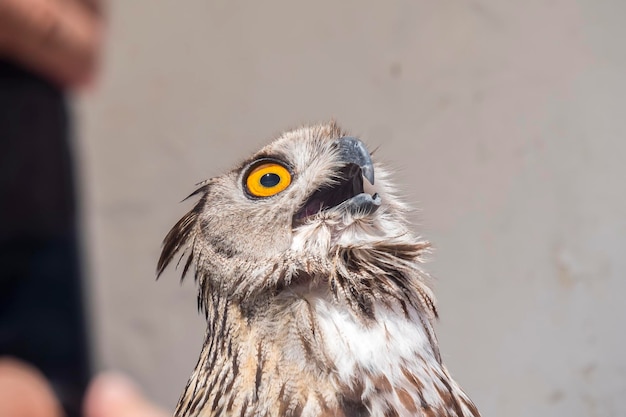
[504, 121]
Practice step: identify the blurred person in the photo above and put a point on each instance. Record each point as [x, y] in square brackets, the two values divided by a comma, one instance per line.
[46, 47]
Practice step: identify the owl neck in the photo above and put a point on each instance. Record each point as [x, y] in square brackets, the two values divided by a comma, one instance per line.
[305, 354]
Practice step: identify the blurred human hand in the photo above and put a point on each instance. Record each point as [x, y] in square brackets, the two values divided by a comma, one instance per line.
[58, 39]
[24, 392]
[114, 395]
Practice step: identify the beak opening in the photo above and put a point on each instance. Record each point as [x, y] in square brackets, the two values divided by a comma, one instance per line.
[347, 193]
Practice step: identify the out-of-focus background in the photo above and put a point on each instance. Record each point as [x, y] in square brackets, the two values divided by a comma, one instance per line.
[504, 122]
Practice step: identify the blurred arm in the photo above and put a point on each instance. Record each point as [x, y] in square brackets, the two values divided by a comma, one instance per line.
[59, 39]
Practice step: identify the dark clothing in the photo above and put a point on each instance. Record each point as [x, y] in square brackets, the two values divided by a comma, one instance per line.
[41, 313]
[36, 190]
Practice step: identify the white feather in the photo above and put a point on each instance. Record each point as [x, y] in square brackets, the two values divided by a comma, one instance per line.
[378, 349]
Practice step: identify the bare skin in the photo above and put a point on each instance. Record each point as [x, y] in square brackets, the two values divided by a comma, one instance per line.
[24, 392]
[114, 395]
[59, 39]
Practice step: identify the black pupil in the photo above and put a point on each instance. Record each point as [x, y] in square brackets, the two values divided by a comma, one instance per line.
[270, 180]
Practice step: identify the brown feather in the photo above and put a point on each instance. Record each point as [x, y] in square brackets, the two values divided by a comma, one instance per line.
[296, 312]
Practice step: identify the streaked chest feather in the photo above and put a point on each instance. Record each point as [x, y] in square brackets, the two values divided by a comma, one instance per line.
[387, 363]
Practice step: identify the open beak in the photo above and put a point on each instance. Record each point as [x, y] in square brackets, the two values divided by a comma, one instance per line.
[347, 193]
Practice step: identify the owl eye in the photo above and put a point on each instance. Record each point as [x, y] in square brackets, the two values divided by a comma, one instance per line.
[267, 179]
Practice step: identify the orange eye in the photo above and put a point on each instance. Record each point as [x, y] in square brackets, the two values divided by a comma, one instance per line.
[268, 179]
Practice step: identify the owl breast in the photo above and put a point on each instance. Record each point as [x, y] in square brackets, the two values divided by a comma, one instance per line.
[385, 363]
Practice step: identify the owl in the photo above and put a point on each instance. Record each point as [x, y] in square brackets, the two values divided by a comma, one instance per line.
[313, 289]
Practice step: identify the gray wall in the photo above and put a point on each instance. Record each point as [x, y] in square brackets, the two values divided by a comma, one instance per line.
[505, 122]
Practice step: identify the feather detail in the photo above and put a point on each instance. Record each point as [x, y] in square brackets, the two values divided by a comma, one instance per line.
[310, 313]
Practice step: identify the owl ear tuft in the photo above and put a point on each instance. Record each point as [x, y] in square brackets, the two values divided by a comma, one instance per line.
[179, 236]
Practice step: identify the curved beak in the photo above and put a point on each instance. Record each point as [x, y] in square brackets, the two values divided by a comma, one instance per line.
[353, 151]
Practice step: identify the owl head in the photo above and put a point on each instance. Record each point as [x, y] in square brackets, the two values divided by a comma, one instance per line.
[310, 209]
